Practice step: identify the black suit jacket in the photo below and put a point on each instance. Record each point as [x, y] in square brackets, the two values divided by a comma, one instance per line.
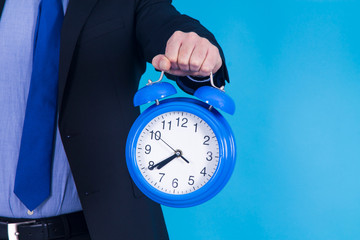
[104, 47]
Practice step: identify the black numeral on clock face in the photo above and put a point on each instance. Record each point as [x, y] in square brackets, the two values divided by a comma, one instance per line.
[203, 171]
[207, 139]
[183, 122]
[191, 180]
[164, 124]
[147, 149]
[155, 135]
[175, 183]
[162, 175]
[209, 156]
[151, 164]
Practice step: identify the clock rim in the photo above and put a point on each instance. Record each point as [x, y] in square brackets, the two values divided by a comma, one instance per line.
[227, 154]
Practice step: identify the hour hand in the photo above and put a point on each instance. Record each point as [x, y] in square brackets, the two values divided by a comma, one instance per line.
[161, 164]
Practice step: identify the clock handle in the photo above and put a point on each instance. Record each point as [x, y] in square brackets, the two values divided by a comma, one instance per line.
[222, 88]
[160, 78]
[216, 97]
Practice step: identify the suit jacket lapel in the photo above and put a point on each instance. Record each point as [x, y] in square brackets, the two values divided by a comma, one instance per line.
[76, 14]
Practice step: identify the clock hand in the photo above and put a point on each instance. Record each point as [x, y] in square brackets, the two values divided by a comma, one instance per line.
[167, 144]
[184, 159]
[174, 150]
[163, 162]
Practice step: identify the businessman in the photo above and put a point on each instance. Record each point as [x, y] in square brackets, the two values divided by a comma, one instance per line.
[103, 46]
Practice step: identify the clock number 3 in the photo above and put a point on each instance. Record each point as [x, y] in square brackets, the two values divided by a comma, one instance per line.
[209, 156]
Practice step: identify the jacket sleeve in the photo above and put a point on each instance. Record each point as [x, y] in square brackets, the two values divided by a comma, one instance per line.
[156, 21]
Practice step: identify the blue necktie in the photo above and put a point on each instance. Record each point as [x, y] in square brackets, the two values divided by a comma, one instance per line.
[33, 173]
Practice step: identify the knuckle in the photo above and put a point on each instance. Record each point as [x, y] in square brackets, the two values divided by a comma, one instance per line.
[171, 58]
[190, 37]
[176, 35]
[206, 69]
[178, 32]
[193, 36]
[215, 50]
[170, 42]
[182, 63]
[204, 41]
[195, 65]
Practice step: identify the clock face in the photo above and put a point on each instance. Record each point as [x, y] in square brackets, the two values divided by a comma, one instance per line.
[177, 152]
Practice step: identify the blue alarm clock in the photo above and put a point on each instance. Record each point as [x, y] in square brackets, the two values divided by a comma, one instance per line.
[180, 152]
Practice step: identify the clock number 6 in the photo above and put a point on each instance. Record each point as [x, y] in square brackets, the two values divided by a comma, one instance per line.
[175, 183]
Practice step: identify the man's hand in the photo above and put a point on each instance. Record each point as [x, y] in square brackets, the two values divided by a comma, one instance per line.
[188, 54]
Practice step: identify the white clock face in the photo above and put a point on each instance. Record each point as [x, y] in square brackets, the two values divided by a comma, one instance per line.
[177, 152]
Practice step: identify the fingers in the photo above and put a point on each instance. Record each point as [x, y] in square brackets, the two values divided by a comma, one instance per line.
[198, 55]
[211, 63]
[161, 63]
[188, 54]
[172, 49]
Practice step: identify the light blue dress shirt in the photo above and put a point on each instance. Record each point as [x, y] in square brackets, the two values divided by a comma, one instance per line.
[17, 27]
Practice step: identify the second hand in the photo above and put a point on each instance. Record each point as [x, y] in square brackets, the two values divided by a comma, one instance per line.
[173, 149]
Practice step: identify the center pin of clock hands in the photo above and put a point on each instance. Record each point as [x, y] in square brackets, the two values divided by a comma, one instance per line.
[174, 150]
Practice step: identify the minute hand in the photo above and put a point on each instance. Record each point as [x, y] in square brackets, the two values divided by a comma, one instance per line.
[174, 150]
[161, 164]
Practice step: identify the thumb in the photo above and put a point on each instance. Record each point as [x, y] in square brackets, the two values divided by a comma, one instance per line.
[160, 62]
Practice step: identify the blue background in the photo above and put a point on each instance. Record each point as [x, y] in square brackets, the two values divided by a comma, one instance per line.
[295, 76]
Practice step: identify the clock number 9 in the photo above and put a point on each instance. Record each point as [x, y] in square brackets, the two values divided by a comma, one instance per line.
[147, 149]
[156, 135]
